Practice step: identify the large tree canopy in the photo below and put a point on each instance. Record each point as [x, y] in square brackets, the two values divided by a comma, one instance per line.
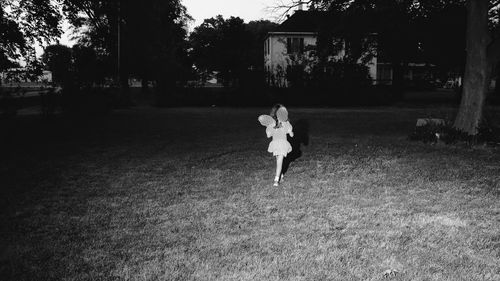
[58, 59]
[406, 31]
[12, 41]
[24, 23]
[142, 39]
[229, 46]
[433, 30]
[220, 45]
[130, 38]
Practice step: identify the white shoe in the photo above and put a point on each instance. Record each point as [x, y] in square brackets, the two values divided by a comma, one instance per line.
[276, 181]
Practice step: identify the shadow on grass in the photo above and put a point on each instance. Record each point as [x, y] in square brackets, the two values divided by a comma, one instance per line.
[301, 137]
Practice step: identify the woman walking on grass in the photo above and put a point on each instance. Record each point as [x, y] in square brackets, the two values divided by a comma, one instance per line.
[277, 127]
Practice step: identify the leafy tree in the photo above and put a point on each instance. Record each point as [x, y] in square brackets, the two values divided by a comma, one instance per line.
[12, 41]
[220, 45]
[229, 46]
[407, 29]
[205, 43]
[89, 69]
[443, 32]
[355, 21]
[58, 59]
[80, 66]
[139, 39]
[23, 23]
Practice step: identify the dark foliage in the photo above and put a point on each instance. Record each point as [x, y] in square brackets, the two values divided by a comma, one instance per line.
[88, 102]
[406, 32]
[145, 40]
[58, 59]
[333, 83]
[27, 22]
[263, 96]
[344, 75]
[230, 47]
[435, 133]
[8, 104]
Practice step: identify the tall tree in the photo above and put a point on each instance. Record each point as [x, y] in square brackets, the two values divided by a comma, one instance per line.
[24, 23]
[58, 59]
[443, 32]
[140, 39]
[220, 44]
[483, 53]
[230, 46]
[12, 41]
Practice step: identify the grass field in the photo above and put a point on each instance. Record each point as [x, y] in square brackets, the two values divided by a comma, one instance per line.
[186, 194]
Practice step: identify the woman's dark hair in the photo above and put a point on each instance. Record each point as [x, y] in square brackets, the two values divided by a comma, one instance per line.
[274, 109]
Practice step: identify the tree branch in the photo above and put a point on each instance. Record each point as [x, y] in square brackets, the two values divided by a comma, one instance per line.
[90, 12]
[495, 4]
[283, 7]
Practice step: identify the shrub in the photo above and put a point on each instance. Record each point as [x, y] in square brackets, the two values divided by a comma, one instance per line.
[88, 101]
[445, 133]
[8, 104]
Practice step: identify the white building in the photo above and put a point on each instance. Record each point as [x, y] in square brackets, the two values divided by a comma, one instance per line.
[284, 49]
[294, 43]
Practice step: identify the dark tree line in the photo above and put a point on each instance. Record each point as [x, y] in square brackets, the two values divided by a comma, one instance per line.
[149, 40]
[460, 34]
[122, 38]
[145, 40]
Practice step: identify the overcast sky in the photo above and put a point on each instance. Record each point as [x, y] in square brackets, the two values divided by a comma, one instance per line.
[246, 9]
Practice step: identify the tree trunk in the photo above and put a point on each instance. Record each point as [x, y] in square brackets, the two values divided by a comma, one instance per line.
[122, 55]
[497, 81]
[477, 68]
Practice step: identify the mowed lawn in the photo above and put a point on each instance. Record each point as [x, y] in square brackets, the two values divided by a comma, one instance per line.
[186, 194]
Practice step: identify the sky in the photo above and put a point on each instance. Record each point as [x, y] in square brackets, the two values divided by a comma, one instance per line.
[248, 10]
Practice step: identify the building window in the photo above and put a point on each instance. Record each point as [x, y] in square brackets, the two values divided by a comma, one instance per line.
[294, 45]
